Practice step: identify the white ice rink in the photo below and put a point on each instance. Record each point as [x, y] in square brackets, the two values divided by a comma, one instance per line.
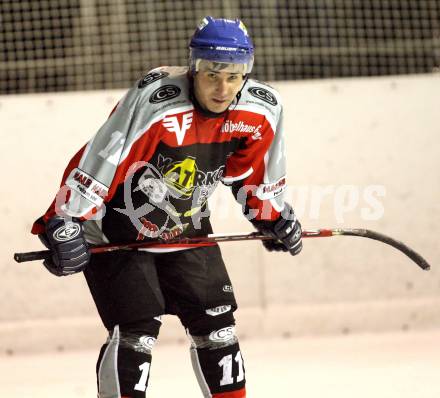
[391, 365]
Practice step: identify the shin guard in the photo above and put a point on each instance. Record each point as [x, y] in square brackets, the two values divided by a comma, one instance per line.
[218, 364]
[124, 364]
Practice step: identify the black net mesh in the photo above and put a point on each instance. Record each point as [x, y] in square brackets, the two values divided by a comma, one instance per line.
[59, 45]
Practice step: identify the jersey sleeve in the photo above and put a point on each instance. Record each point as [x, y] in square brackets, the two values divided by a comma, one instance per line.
[256, 172]
[94, 173]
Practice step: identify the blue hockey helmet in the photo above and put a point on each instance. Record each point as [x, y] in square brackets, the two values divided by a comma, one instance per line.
[221, 40]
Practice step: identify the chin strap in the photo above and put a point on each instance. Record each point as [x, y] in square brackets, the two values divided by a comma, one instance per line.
[238, 96]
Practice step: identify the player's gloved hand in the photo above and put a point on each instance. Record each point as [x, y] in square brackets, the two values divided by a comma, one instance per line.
[286, 232]
[70, 253]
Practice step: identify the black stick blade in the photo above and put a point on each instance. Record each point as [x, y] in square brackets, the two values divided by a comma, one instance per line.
[366, 233]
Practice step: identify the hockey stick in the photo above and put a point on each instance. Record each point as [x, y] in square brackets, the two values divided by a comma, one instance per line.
[215, 238]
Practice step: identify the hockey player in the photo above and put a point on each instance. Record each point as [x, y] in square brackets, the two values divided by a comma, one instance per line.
[147, 175]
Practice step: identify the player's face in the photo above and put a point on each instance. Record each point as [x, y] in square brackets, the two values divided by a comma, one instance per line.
[216, 89]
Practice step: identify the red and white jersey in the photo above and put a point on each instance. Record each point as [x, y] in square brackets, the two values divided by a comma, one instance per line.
[150, 169]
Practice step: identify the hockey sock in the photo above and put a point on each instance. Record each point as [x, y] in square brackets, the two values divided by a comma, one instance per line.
[124, 364]
[219, 369]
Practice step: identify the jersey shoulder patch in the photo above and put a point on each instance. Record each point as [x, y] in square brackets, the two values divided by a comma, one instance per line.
[263, 92]
[164, 88]
[163, 75]
[151, 77]
[261, 98]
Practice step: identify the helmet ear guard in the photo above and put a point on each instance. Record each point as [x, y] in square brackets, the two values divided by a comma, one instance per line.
[221, 41]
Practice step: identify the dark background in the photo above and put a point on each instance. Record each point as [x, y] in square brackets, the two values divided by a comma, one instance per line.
[61, 45]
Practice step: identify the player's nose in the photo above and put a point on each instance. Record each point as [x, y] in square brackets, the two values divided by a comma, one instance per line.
[222, 87]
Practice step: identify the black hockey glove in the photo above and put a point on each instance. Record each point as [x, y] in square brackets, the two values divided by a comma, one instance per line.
[69, 248]
[286, 232]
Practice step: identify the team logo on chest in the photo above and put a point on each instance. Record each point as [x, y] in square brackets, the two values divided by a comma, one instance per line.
[181, 176]
[185, 179]
[172, 124]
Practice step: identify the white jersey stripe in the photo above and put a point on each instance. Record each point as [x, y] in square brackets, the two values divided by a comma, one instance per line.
[262, 111]
[229, 179]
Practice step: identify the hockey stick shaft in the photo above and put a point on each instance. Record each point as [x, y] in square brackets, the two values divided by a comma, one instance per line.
[214, 238]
